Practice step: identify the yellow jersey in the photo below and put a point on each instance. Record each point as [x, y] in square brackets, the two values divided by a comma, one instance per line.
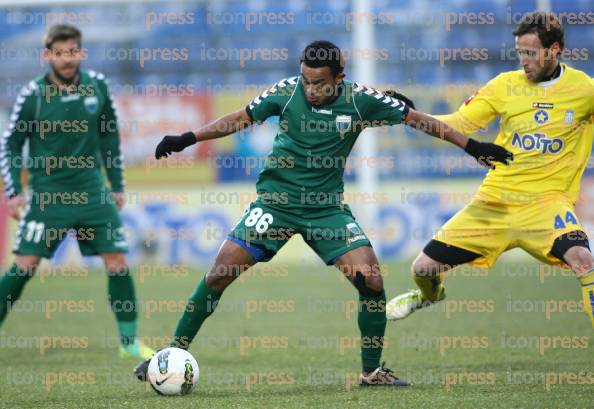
[548, 126]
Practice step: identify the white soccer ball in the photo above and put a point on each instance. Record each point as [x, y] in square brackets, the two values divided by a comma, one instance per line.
[173, 371]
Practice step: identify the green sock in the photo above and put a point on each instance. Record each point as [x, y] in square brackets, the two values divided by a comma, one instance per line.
[12, 283]
[123, 303]
[372, 324]
[201, 304]
[127, 331]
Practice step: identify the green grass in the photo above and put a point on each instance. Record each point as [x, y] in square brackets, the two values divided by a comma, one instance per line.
[306, 367]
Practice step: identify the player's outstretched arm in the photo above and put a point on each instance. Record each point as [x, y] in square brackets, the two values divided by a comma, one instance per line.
[394, 94]
[485, 153]
[11, 150]
[223, 126]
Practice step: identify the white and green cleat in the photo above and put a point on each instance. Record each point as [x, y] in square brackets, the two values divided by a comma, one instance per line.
[405, 304]
[136, 350]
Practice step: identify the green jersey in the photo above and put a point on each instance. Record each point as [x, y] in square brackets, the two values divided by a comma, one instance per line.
[306, 165]
[70, 135]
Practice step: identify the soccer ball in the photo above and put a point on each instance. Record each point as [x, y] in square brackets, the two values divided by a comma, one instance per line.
[173, 371]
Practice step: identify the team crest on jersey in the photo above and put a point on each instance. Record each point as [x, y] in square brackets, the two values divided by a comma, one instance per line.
[91, 104]
[541, 117]
[569, 114]
[343, 124]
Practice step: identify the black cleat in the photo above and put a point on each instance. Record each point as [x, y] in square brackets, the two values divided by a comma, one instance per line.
[382, 377]
[141, 370]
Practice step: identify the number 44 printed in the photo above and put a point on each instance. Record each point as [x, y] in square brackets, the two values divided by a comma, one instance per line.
[569, 218]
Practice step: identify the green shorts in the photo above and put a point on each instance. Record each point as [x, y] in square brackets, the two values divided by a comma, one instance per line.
[50, 217]
[330, 232]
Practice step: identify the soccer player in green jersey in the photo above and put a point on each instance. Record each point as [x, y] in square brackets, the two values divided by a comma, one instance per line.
[300, 190]
[68, 120]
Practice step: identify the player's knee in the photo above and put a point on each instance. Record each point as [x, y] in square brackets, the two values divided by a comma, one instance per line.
[221, 275]
[115, 262]
[231, 261]
[580, 259]
[375, 282]
[423, 266]
[369, 285]
[27, 264]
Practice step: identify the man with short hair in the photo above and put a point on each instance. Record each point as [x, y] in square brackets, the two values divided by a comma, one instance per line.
[321, 115]
[547, 116]
[68, 119]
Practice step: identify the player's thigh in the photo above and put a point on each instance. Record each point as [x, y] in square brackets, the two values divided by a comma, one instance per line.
[332, 233]
[41, 230]
[99, 228]
[361, 264]
[263, 230]
[477, 228]
[231, 261]
[27, 263]
[542, 224]
[438, 257]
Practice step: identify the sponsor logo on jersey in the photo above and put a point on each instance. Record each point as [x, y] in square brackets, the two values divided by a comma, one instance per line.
[541, 117]
[91, 104]
[343, 124]
[545, 105]
[537, 142]
[569, 114]
[321, 111]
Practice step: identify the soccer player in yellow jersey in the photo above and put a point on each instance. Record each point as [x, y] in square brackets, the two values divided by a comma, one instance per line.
[547, 115]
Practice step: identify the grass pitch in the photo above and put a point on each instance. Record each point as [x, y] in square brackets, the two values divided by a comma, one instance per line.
[286, 337]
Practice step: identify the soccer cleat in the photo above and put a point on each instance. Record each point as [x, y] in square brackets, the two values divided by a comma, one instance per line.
[382, 377]
[136, 350]
[405, 304]
[141, 370]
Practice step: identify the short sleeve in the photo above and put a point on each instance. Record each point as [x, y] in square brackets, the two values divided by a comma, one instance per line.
[483, 106]
[272, 101]
[19, 129]
[109, 141]
[377, 108]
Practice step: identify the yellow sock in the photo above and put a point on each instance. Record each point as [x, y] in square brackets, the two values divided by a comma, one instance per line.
[431, 287]
[587, 282]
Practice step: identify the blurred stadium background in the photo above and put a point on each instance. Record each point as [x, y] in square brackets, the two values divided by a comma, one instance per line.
[173, 66]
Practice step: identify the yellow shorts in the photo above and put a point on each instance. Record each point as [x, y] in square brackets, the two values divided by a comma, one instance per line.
[490, 228]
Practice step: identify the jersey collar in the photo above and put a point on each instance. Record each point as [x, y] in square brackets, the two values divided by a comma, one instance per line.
[340, 88]
[554, 80]
[76, 82]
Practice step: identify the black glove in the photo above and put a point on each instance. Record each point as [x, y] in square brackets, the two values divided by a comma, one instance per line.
[488, 153]
[403, 98]
[174, 143]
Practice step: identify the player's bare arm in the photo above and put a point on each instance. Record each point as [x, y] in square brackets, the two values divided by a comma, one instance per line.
[484, 152]
[219, 128]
